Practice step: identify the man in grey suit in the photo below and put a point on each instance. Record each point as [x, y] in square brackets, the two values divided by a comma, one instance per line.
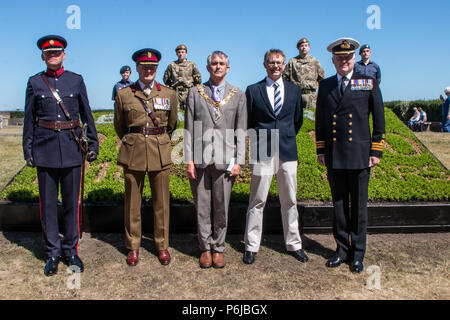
[215, 130]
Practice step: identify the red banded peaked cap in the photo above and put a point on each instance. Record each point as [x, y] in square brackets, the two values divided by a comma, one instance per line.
[52, 43]
[147, 56]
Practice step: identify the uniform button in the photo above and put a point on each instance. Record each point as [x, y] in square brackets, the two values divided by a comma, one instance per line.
[350, 124]
[350, 139]
[57, 90]
[350, 115]
[334, 131]
[59, 116]
[334, 139]
[334, 116]
[350, 131]
[334, 123]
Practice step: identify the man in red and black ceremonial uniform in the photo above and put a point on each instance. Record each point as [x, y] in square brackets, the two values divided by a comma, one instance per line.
[348, 149]
[56, 100]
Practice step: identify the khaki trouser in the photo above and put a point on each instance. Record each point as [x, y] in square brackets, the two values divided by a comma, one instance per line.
[262, 175]
[134, 185]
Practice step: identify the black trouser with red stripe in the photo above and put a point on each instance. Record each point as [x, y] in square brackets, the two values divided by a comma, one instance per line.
[349, 189]
[49, 181]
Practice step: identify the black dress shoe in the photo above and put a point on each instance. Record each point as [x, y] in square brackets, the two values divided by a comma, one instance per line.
[249, 257]
[301, 255]
[334, 262]
[51, 266]
[356, 266]
[75, 261]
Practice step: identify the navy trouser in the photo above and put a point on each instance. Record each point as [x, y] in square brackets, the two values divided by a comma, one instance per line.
[349, 189]
[49, 181]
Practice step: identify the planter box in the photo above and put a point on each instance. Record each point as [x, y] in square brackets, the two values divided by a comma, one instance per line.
[317, 218]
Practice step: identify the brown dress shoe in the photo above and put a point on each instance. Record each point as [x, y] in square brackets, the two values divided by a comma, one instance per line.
[205, 260]
[133, 257]
[218, 260]
[164, 257]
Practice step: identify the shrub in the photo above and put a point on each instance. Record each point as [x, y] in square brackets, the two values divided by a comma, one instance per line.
[407, 172]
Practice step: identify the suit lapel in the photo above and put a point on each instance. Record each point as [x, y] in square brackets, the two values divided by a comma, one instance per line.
[335, 93]
[265, 97]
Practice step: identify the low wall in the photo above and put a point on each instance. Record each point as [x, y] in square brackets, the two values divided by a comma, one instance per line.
[108, 217]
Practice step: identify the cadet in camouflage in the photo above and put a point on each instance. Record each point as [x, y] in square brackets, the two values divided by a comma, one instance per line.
[181, 75]
[305, 71]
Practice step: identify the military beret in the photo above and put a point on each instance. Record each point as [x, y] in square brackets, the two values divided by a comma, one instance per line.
[364, 46]
[52, 43]
[343, 46]
[302, 40]
[124, 68]
[181, 47]
[147, 56]
[447, 90]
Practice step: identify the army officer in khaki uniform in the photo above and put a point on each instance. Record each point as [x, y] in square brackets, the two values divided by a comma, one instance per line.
[145, 116]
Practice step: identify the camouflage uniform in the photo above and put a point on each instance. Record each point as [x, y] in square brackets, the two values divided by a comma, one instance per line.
[181, 76]
[307, 73]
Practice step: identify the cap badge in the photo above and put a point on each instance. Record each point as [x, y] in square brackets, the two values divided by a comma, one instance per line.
[52, 42]
[345, 45]
[149, 54]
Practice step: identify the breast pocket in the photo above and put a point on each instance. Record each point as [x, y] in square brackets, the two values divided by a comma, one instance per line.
[132, 113]
[46, 104]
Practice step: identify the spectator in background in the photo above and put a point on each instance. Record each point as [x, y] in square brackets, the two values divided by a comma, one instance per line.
[1, 122]
[125, 72]
[414, 119]
[445, 111]
[422, 119]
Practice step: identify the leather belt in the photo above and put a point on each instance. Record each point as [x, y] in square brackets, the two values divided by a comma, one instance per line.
[147, 130]
[308, 90]
[59, 125]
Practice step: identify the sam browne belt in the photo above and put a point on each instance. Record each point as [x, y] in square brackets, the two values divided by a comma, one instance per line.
[147, 130]
[59, 125]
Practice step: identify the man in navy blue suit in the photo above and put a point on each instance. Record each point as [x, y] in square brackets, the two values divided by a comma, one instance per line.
[275, 114]
[56, 101]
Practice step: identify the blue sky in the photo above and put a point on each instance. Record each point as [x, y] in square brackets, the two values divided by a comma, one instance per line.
[411, 47]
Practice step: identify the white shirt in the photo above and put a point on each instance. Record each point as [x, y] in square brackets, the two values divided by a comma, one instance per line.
[348, 76]
[271, 90]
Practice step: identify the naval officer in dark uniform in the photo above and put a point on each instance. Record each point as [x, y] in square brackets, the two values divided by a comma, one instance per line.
[51, 142]
[348, 149]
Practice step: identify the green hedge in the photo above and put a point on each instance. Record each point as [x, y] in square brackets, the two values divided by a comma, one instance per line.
[404, 109]
[407, 172]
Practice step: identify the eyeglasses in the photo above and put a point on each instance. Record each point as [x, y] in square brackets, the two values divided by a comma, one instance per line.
[275, 63]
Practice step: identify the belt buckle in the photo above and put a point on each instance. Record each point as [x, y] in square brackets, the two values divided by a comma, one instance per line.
[57, 126]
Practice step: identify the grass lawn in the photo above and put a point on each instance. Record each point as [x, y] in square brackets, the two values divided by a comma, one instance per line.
[11, 155]
[411, 266]
[438, 143]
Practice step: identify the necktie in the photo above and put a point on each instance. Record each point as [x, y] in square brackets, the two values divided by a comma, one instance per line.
[343, 84]
[215, 94]
[277, 99]
[147, 90]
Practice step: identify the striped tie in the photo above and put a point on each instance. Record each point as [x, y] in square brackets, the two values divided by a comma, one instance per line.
[277, 99]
